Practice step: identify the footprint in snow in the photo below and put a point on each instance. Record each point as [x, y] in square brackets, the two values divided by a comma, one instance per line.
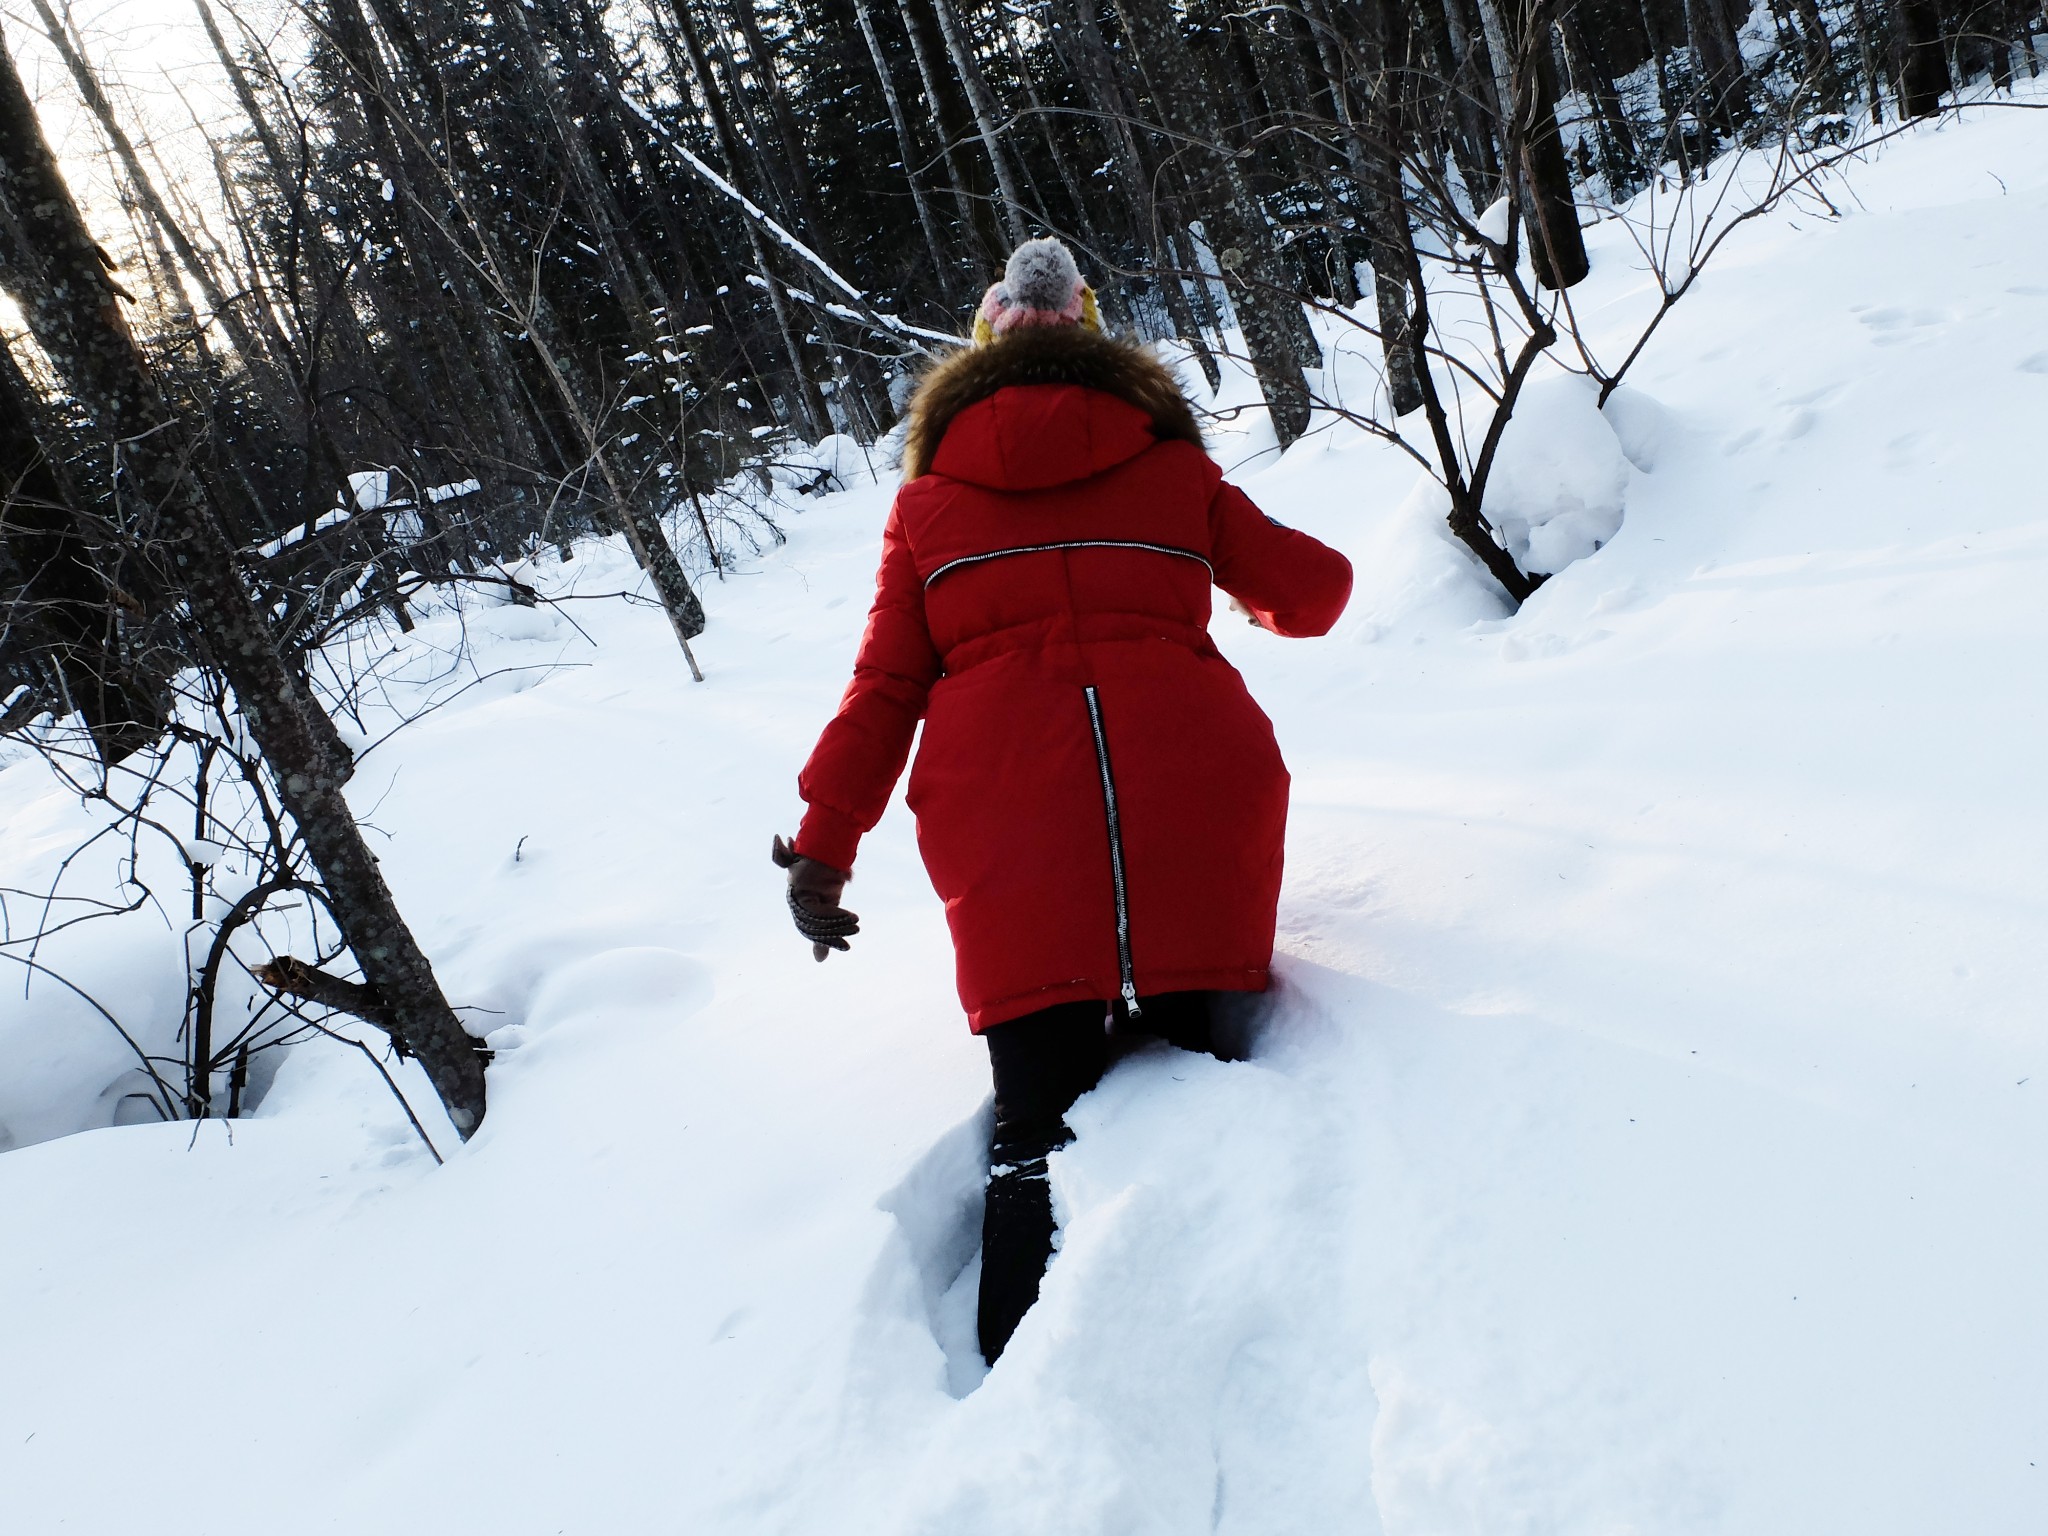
[1891, 327]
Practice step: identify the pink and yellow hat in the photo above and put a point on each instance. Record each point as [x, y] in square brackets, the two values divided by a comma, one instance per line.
[1040, 286]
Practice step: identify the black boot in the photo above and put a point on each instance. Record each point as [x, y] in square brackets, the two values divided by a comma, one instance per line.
[1043, 1062]
[1016, 1230]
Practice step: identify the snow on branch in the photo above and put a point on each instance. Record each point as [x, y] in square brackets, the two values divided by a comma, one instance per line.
[862, 310]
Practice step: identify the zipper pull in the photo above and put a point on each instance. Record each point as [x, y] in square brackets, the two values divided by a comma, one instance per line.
[1131, 1007]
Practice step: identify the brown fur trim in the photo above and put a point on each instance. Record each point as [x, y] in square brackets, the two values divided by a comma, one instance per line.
[1064, 354]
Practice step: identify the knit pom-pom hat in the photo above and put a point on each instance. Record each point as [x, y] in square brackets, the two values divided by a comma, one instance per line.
[1040, 286]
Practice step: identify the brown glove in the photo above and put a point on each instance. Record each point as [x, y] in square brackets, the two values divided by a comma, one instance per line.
[814, 891]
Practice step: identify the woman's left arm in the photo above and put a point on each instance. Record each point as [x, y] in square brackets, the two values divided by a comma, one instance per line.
[1290, 583]
[861, 753]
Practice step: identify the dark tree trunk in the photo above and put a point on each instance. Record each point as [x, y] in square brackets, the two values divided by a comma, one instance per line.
[1868, 55]
[196, 267]
[1556, 247]
[1666, 105]
[1377, 134]
[1923, 66]
[1088, 55]
[949, 117]
[1084, 220]
[1473, 145]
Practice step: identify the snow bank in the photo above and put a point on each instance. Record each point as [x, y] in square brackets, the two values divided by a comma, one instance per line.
[1560, 479]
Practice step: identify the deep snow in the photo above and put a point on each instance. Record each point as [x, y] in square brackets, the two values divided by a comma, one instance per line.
[1646, 1133]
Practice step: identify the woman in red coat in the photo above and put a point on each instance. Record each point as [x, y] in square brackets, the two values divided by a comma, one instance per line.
[1099, 803]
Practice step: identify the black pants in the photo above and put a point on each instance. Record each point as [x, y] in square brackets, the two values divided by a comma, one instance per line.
[1043, 1062]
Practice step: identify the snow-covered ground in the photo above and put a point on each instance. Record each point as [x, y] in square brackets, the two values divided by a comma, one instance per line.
[1646, 1134]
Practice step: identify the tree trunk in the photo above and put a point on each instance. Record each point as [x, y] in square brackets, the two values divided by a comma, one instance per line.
[1367, 140]
[1069, 183]
[807, 405]
[1618, 158]
[1556, 247]
[1092, 61]
[1667, 108]
[1923, 66]
[439, 293]
[1866, 52]
[53, 272]
[795, 157]
[1500, 53]
[1472, 141]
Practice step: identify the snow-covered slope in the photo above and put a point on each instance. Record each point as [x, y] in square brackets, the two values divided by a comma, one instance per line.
[1647, 1133]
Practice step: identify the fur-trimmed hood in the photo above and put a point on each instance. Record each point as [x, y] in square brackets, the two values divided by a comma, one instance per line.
[1067, 355]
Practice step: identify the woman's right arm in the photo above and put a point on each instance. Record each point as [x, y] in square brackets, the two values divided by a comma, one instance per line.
[858, 759]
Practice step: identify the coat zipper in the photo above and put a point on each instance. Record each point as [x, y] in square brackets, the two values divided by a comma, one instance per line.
[1116, 856]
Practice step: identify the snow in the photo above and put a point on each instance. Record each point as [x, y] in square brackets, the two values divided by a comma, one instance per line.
[325, 520]
[371, 488]
[1494, 221]
[1563, 476]
[1645, 1133]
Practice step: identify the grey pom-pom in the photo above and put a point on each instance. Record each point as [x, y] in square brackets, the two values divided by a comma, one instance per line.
[1041, 275]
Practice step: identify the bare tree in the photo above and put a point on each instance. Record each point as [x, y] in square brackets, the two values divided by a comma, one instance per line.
[54, 270]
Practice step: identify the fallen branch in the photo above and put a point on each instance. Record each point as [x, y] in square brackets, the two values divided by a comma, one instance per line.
[289, 976]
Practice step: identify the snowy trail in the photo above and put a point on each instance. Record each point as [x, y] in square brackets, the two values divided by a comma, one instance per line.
[1646, 1133]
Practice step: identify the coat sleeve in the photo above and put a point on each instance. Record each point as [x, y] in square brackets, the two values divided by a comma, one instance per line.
[1293, 584]
[851, 772]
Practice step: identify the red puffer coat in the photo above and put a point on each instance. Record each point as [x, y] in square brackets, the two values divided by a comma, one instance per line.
[1099, 802]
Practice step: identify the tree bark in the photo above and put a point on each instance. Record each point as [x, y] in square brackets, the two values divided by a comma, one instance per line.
[1368, 143]
[1825, 79]
[1618, 157]
[1556, 247]
[1473, 145]
[1090, 59]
